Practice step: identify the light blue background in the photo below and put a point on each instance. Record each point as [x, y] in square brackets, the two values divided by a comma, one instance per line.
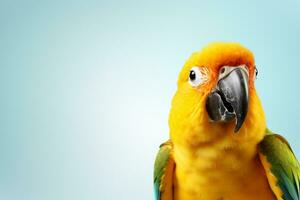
[86, 86]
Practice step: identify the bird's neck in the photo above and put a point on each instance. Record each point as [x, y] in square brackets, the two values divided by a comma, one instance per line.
[228, 154]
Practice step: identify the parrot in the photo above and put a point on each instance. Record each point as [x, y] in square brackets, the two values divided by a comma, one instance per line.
[219, 145]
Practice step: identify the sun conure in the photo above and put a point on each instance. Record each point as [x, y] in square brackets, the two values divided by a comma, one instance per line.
[220, 147]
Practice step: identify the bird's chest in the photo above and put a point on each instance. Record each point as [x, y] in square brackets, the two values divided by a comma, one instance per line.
[221, 177]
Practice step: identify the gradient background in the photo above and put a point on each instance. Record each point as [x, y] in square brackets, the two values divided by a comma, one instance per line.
[86, 86]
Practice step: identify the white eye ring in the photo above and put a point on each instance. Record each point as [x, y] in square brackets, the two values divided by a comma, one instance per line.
[196, 77]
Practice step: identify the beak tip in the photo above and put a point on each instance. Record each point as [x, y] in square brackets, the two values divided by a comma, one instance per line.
[236, 129]
[239, 123]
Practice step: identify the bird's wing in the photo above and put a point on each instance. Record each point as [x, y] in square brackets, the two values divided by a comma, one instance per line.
[281, 166]
[163, 172]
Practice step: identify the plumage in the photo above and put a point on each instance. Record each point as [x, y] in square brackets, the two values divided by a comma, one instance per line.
[219, 145]
[283, 165]
[163, 173]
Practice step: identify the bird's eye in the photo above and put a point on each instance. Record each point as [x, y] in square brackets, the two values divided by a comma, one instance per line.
[255, 73]
[195, 77]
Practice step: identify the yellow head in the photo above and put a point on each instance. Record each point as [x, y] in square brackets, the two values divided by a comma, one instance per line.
[216, 98]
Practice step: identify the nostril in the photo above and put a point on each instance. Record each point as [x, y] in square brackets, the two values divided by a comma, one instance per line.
[223, 70]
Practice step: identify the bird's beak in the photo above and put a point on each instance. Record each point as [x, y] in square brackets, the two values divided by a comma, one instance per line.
[229, 99]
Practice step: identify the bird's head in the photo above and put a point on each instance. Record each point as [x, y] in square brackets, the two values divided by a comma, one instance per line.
[216, 97]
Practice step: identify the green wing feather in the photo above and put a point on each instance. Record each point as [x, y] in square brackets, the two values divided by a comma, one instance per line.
[284, 165]
[163, 171]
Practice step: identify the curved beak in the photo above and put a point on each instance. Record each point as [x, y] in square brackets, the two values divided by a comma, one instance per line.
[229, 99]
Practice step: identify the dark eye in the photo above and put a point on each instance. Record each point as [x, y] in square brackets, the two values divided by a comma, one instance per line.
[255, 73]
[192, 75]
[195, 77]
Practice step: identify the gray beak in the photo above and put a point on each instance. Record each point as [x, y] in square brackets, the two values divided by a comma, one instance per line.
[229, 99]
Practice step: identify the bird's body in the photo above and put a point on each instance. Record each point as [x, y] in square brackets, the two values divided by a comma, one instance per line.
[211, 156]
[218, 171]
